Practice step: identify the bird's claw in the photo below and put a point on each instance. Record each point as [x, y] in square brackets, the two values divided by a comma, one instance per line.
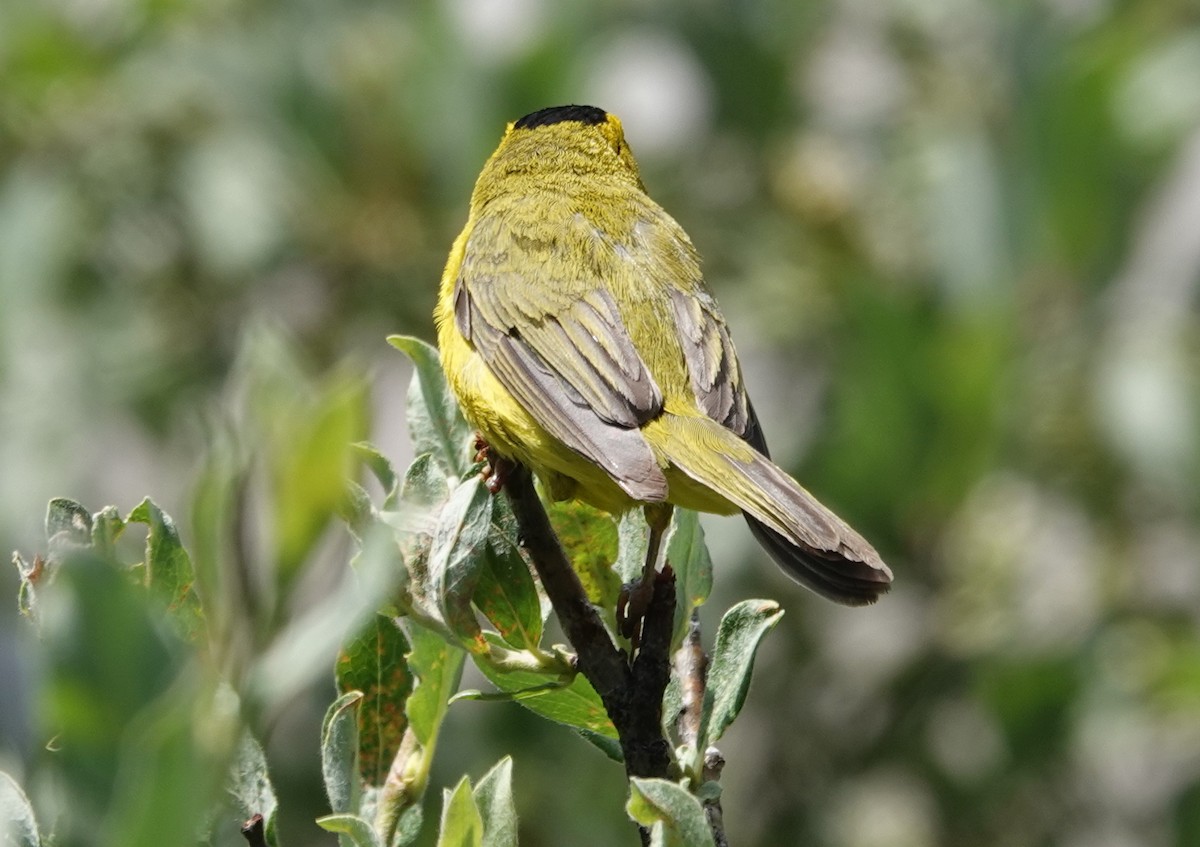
[496, 468]
[632, 603]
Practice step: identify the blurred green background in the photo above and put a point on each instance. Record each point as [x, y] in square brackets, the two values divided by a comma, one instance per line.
[958, 243]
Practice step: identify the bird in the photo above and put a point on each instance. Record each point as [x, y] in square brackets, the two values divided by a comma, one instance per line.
[578, 334]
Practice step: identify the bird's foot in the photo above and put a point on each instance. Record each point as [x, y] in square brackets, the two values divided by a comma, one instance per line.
[496, 468]
[633, 603]
[637, 600]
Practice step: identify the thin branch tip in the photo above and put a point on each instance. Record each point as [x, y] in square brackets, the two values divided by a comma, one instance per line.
[254, 831]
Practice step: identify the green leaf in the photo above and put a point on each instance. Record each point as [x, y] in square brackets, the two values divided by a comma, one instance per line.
[738, 637]
[69, 529]
[108, 653]
[107, 527]
[381, 467]
[250, 784]
[339, 751]
[168, 569]
[408, 827]
[438, 668]
[576, 705]
[214, 505]
[607, 745]
[634, 536]
[505, 529]
[360, 833]
[591, 541]
[19, 827]
[167, 780]
[494, 798]
[506, 696]
[373, 663]
[357, 510]
[672, 706]
[311, 460]
[458, 555]
[297, 655]
[462, 825]
[67, 521]
[653, 801]
[507, 595]
[688, 556]
[425, 483]
[506, 536]
[423, 495]
[434, 420]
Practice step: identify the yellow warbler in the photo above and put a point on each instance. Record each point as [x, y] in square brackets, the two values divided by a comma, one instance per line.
[579, 336]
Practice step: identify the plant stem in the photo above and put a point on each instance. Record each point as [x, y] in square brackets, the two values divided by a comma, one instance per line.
[691, 664]
[632, 692]
[254, 832]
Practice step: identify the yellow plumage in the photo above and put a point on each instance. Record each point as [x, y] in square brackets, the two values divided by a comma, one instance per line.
[577, 332]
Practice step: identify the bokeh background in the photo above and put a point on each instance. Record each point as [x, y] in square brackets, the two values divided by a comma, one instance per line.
[958, 243]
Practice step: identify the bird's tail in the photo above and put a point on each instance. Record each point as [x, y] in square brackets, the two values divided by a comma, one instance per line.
[812, 544]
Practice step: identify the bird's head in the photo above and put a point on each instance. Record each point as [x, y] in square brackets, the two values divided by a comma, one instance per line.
[571, 143]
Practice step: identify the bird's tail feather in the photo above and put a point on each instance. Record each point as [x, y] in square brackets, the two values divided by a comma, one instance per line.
[812, 544]
[819, 570]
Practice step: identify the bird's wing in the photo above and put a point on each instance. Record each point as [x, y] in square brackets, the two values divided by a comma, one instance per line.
[807, 540]
[712, 362]
[560, 347]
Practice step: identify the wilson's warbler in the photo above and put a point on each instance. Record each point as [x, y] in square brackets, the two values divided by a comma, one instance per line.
[579, 336]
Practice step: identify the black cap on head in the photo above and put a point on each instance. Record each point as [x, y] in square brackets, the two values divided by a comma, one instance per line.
[560, 114]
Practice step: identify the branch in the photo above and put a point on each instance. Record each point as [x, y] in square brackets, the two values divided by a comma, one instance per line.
[647, 751]
[253, 830]
[632, 695]
[691, 664]
[714, 763]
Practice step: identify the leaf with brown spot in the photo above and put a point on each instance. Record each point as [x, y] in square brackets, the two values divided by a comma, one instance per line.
[373, 663]
[589, 538]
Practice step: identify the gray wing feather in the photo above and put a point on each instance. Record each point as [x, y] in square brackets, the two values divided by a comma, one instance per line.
[711, 360]
[570, 362]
